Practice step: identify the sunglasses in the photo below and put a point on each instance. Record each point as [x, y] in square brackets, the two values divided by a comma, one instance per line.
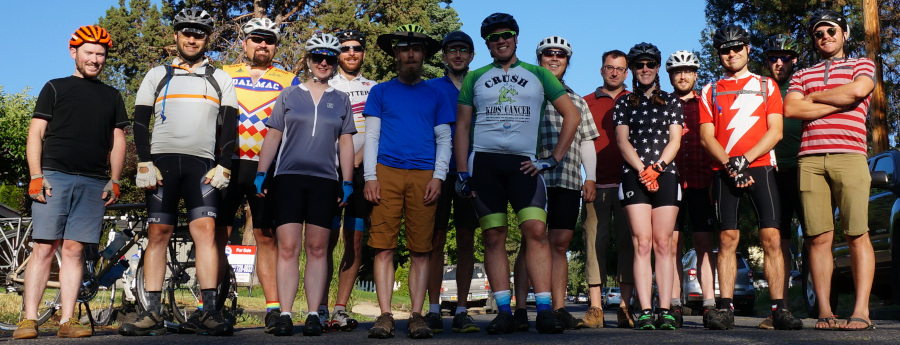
[551, 53]
[317, 59]
[356, 48]
[497, 36]
[610, 68]
[641, 65]
[729, 50]
[458, 50]
[820, 34]
[194, 35]
[785, 58]
[260, 39]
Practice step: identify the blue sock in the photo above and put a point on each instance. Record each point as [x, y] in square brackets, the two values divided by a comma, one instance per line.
[502, 298]
[542, 299]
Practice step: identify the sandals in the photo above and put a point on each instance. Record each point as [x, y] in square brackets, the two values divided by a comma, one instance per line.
[869, 325]
[831, 320]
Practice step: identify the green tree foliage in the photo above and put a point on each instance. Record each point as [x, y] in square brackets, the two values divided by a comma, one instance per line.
[15, 116]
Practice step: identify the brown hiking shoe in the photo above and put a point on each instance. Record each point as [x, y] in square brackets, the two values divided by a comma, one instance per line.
[625, 319]
[593, 318]
[767, 323]
[74, 329]
[418, 328]
[384, 327]
[27, 329]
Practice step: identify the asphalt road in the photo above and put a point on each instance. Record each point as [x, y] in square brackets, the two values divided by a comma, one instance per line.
[745, 332]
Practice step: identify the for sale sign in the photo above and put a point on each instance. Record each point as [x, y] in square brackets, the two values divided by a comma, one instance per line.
[242, 259]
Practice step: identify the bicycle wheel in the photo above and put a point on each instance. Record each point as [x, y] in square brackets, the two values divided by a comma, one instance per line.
[184, 293]
[15, 252]
[100, 298]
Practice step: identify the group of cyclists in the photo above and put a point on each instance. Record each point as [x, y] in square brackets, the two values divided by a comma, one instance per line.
[342, 154]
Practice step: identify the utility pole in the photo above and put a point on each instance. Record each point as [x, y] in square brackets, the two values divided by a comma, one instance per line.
[877, 117]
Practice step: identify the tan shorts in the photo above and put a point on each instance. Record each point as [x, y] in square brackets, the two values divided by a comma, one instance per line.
[842, 177]
[402, 193]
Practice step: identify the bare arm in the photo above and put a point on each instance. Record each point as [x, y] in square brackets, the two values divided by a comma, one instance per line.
[769, 139]
[668, 154]
[798, 107]
[571, 119]
[269, 149]
[34, 146]
[845, 95]
[628, 153]
[117, 155]
[346, 156]
[461, 137]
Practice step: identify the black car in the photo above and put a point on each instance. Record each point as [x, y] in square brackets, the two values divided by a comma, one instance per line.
[884, 215]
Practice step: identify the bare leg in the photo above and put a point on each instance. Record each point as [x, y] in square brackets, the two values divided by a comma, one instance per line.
[495, 259]
[203, 232]
[773, 261]
[663, 219]
[642, 238]
[155, 256]
[703, 246]
[436, 266]
[465, 263]
[316, 265]
[787, 257]
[821, 266]
[350, 263]
[384, 278]
[290, 242]
[559, 245]
[677, 247]
[70, 275]
[418, 278]
[538, 259]
[862, 261]
[266, 261]
[37, 273]
[727, 262]
[521, 282]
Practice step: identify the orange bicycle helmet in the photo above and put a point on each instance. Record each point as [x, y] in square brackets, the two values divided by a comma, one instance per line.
[91, 34]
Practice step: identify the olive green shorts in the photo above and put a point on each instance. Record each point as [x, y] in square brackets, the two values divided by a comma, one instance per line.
[841, 177]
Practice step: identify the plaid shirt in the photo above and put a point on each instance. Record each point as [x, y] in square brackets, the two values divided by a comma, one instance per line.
[694, 163]
[568, 173]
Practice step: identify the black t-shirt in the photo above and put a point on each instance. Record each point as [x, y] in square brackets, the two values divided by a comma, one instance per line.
[648, 125]
[81, 115]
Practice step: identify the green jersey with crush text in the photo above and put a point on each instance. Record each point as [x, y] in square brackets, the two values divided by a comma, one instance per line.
[508, 106]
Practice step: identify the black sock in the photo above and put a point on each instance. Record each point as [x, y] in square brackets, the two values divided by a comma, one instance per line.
[726, 303]
[153, 301]
[663, 311]
[209, 299]
[647, 312]
[777, 303]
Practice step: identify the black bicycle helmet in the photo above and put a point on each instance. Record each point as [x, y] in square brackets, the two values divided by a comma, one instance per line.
[352, 35]
[501, 20]
[457, 36]
[193, 17]
[730, 35]
[827, 16]
[781, 43]
[644, 50]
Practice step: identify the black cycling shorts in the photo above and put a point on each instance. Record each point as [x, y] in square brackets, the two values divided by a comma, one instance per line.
[463, 209]
[357, 210]
[243, 173]
[789, 189]
[562, 208]
[632, 191]
[302, 198]
[763, 195]
[183, 177]
[497, 180]
[696, 205]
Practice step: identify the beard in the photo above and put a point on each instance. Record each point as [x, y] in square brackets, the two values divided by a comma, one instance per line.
[683, 91]
[261, 59]
[191, 58]
[409, 72]
[88, 75]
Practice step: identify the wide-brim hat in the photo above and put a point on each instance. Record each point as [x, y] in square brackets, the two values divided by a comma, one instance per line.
[387, 41]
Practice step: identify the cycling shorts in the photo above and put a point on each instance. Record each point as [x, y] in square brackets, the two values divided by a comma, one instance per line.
[463, 210]
[356, 212]
[763, 195]
[563, 205]
[789, 189]
[497, 180]
[696, 205]
[303, 198]
[632, 191]
[183, 177]
[243, 173]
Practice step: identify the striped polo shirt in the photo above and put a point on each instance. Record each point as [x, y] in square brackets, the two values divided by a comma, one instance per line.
[842, 132]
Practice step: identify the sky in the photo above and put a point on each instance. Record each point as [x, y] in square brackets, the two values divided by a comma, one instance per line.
[591, 26]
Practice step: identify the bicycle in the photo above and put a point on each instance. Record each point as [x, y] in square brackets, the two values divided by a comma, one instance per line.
[15, 252]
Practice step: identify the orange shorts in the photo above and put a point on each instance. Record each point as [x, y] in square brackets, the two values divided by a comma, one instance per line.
[402, 193]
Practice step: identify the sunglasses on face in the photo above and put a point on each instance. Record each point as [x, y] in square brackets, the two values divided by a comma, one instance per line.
[356, 48]
[729, 50]
[785, 59]
[551, 53]
[260, 39]
[458, 50]
[194, 35]
[610, 68]
[497, 36]
[641, 65]
[820, 34]
[317, 59]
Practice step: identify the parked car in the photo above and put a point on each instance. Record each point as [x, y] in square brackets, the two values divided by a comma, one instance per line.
[884, 214]
[582, 299]
[612, 298]
[480, 293]
[744, 292]
[529, 299]
[603, 292]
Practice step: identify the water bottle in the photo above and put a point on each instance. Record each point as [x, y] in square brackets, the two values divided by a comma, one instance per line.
[114, 273]
[113, 246]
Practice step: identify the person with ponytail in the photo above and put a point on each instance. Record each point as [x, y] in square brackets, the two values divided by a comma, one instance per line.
[648, 133]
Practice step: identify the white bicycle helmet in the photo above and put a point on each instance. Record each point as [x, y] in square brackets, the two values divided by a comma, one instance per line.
[324, 44]
[261, 24]
[554, 42]
[682, 58]
[193, 17]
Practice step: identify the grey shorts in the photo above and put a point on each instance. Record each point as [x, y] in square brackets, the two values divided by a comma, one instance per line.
[73, 212]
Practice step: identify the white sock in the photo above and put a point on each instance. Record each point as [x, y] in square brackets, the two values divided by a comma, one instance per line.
[286, 313]
[338, 308]
[460, 309]
[434, 308]
[62, 321]
[313, 313]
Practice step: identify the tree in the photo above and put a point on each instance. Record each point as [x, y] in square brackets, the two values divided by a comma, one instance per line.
[15, 117]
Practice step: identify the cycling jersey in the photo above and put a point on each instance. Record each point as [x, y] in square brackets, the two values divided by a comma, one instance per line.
[648, 126]
[740, 113]
[358, 89]
[310, 131]
[255, 101]
[508, 106]
[187, 110]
